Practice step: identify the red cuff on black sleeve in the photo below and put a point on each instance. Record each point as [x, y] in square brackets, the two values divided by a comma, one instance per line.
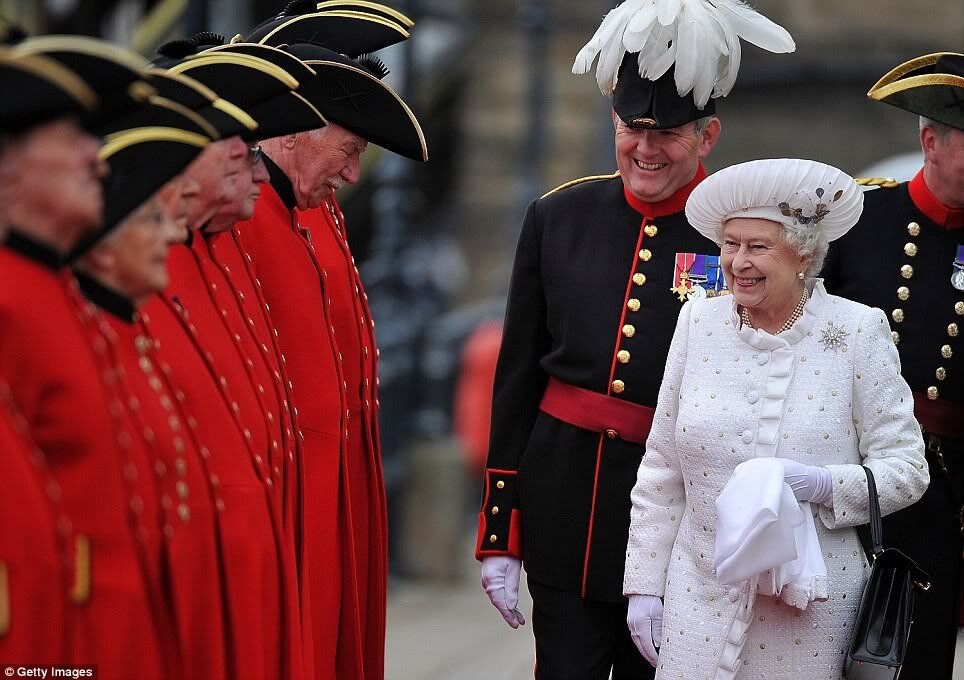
[499, 532]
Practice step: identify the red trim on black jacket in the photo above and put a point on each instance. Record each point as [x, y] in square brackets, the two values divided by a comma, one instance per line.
[927, 203]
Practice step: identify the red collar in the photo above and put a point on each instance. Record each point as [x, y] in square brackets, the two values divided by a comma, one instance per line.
[667, 206]
[927, 203]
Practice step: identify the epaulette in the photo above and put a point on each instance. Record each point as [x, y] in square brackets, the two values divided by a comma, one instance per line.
[882, 182]
[574, 182]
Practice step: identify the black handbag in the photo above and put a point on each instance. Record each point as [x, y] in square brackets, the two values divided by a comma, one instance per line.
[886, 612]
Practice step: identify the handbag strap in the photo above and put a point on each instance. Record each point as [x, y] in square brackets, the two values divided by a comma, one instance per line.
[873, 544]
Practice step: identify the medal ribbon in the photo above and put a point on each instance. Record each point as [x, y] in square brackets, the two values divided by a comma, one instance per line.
[684, 262]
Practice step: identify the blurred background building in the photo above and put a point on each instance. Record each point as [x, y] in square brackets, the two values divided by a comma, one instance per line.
[506, 121]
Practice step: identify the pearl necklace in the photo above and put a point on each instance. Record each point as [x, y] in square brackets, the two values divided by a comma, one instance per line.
[794, 316]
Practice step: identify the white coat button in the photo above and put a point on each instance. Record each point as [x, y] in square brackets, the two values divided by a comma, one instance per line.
[747, 436]
[762, 359]
[753, 396]
[734, 594]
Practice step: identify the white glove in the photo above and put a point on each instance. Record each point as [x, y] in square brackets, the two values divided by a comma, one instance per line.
[500, 581]
[645, 620]
[809, 482]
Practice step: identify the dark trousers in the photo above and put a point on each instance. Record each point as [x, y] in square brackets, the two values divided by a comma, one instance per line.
[578, 639]
[930, 533]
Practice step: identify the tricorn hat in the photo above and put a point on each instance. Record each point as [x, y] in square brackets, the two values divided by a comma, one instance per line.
[45, 89]
[347, 28]
[931, 86]
[142, 160]
[677, 55]
[352, 94]
[111, 71]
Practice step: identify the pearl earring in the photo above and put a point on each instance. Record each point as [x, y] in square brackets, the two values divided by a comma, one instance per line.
[800, 275]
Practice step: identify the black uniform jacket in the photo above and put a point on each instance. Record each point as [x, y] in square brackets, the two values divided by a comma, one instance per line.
[900, 257]
[591, 278]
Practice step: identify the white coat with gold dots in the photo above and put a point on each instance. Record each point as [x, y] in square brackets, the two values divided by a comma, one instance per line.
[826, 392]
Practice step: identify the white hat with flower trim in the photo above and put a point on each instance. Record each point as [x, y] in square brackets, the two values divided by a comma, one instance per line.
[790, 191]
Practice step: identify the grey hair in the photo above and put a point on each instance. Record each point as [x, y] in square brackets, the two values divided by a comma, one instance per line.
[702, 124]
[806, 241]
[942, 130]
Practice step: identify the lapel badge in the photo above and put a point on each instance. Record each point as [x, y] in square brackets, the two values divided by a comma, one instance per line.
[833, 337]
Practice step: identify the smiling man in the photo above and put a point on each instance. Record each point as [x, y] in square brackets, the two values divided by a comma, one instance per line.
[582, 359]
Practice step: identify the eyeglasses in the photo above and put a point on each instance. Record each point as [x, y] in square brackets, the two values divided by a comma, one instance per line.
[254, 154]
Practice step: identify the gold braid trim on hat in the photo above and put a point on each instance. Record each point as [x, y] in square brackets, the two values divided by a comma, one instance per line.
[908, 66]
[334, 13]
[187, 81]
[233, 48]
[321, 117]
[913, 82]
[82, 45]
[57, 74]
[192, 116]
[236, 112]
[581, 180]
[882, 182]
[255, 63]
[376, 6]
[119, 141]
[384, 86]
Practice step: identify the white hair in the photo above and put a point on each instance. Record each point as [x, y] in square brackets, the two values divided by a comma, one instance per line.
[806, 241]
[702, 124]
[942, 130]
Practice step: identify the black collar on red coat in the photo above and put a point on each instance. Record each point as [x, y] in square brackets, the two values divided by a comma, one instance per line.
[106, 298]
[668, 206]
[280, 183]
[927, 203]
[30, 248]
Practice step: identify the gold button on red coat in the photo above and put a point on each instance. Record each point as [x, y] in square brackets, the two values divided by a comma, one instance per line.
[619, 386]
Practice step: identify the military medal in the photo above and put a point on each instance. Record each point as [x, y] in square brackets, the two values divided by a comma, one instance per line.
[957, 276]
[681, 275]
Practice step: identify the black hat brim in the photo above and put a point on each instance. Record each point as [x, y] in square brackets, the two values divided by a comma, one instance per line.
[111, 71]
[46, 90]
[226, 118]
[354, 99]
[238, 78]
[346, 32]
[923, 86]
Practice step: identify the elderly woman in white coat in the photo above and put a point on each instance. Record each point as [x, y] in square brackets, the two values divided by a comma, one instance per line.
[780, 368]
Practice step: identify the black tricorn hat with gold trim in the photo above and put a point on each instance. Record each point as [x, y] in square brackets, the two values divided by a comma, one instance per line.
[350, 28]
[654, 104]
[224, 68]
[931, 86]
[113, 72]
[45, 90]
[142, 160]
[351, 93]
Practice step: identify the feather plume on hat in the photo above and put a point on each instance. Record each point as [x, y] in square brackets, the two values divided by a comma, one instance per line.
[702, 37]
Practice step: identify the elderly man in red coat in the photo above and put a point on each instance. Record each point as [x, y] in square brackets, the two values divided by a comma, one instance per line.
[50, 193]
[297, 248]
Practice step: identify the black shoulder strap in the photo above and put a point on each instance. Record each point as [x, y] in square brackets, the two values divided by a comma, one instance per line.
[871, 535]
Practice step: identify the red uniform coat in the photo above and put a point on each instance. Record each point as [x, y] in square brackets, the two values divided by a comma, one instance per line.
[193, 585]
[34, 533]
[68, 396]
[199, 287]
[318, 307]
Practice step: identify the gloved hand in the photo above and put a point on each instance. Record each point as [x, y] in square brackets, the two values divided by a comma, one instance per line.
[809, 482]
[500, 580]
[645, 620]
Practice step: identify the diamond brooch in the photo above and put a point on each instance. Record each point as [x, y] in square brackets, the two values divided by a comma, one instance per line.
[833, 337]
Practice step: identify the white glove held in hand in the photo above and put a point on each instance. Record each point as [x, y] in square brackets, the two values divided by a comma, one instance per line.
[809, 482]
[645, 620]
[500, 580]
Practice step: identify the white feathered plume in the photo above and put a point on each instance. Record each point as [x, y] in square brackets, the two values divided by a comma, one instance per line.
[702, 37]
